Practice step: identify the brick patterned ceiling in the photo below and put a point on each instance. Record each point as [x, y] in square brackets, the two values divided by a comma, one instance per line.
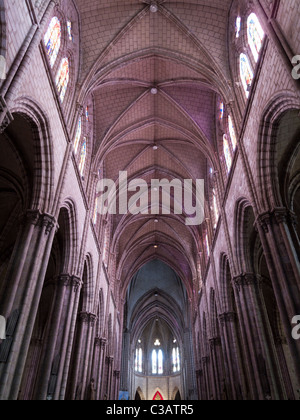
[182, 51]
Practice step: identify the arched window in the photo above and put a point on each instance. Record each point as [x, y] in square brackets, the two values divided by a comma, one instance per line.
[70, 31]
[62, 78]
[206, 244]
[95, 215]
[154, 362]
[215, 208]
[52, 40]
[78, 135]
[176, 360]
[246, 73]
[160, 362]
[138, 360]
[221, 111]
[82, 158]
[227, 153]
[238, 25]
[255, 35]
[87, 116]
[232, 133]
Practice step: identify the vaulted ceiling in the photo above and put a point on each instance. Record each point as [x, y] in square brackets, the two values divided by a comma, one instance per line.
[182, 51]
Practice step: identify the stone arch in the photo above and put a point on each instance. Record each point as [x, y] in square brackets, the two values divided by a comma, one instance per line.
[176, 395]
[88, 284]
[140, 395]
[42, 151]
[273, 187]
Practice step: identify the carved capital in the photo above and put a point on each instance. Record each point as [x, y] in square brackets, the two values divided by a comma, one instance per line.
[76, 283]
[92, 319]
[205, 360]
[48, 222]
[103, 343]
[245, 279]
[264, 221]
[117, 374]
[227, 317]
[64, 280]
[31, 216]
[84, 317]
[214, 342]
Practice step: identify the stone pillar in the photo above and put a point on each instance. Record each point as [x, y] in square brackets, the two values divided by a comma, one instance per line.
[229, 323]
[205, 362]
[110, 362]
[283, 264]
[24, 284]
[76, 378]
[87, 355]
[41, 388]
[116, 385]
[263, 357]
[102, 342]
[68, 339]
[217, 363]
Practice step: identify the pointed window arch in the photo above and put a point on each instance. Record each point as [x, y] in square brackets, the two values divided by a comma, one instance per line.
[215, 208]
[78, 135]
[232, 132]
[83, 157]
[227, 153]
[238, 26]
[52, 40]
[62, 78]
[158, 397]
[160, 362]
[154, 362]
[255, 35]
[95, 215]
[246, 73]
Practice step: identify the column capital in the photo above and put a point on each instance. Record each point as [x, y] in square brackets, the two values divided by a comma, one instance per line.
[117, 374]
[205, 360]
[76, 283]
[277, 215]
[227, 317]
[92, 319]
[64, 280]
[84, 317]
[36, 218]
[246, 279]
[214, 342]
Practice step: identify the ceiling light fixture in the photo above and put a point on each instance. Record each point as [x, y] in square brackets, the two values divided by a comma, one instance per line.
[154, 91]
[153, 7]
[155, 147]
[155, 220]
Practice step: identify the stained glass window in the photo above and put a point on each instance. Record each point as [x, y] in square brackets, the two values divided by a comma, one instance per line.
[87, 116]
[136, 360]
[52, 40]
[215, 208]
[246, 73]
[176, 360]
[227, 153]
[255, 35]
[221, 111]
[154, 362]
[206, 243]
[232, 133]
[62, 78]
[95, 215]
[78, 135]
[82, 158]
[160, 362]
[70, 33]
[238, 25]
[140, 362]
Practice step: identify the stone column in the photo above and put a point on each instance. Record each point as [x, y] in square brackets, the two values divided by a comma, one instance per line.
[263, 357]
[76, 378]
[68, 337]
[229, 323]
[116, 385]
[110, 362]
[25, 279]
[87, 355]
[205, 362]
[283, 264]
[41, 388]
[100, 367]
[216, 356]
